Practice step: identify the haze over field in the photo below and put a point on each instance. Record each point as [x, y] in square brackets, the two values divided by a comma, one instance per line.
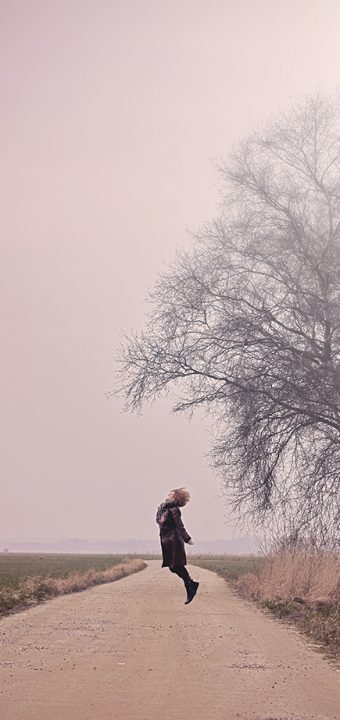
[234, 546]
[111, 115]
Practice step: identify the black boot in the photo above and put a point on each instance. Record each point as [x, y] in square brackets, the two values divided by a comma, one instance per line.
[192, 588]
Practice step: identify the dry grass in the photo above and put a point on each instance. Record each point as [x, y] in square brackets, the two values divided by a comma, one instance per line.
[287, 575]
[37, 589]
[303, 587]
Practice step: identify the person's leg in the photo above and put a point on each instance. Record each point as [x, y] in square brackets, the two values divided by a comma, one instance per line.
[190, 585]
[182, 572]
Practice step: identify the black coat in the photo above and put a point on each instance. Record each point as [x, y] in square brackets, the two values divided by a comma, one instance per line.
[173, 535]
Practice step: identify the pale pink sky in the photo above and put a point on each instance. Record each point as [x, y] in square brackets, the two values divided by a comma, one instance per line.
[111, 113]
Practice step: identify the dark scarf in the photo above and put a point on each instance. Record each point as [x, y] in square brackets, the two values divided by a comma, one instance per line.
[162, 508]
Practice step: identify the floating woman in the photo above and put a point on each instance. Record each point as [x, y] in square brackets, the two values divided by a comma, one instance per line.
[173, 535]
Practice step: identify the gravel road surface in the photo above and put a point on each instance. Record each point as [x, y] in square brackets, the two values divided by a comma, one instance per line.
[132, 650]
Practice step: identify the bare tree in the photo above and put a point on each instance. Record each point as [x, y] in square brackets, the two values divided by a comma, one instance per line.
[247, 324]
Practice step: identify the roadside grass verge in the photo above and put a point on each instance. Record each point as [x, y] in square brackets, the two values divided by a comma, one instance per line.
[299, 587]
[320, 621]
[230, 567]
[25, 591]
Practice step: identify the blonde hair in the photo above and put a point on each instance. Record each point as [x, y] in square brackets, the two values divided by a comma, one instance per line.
[181, 496]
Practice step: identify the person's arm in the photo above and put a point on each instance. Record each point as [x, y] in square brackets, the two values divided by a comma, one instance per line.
[176, 514]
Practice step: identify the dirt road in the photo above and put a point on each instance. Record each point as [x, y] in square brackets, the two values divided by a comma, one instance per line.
[132, 650]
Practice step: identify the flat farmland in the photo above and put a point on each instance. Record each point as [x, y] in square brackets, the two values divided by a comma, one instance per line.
[15, 568]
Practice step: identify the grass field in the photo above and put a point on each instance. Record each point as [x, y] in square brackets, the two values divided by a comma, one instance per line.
[28, 579]
[17, 567]
[230, 567]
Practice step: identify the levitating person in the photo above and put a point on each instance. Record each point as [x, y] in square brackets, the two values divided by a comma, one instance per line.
[173, 535]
